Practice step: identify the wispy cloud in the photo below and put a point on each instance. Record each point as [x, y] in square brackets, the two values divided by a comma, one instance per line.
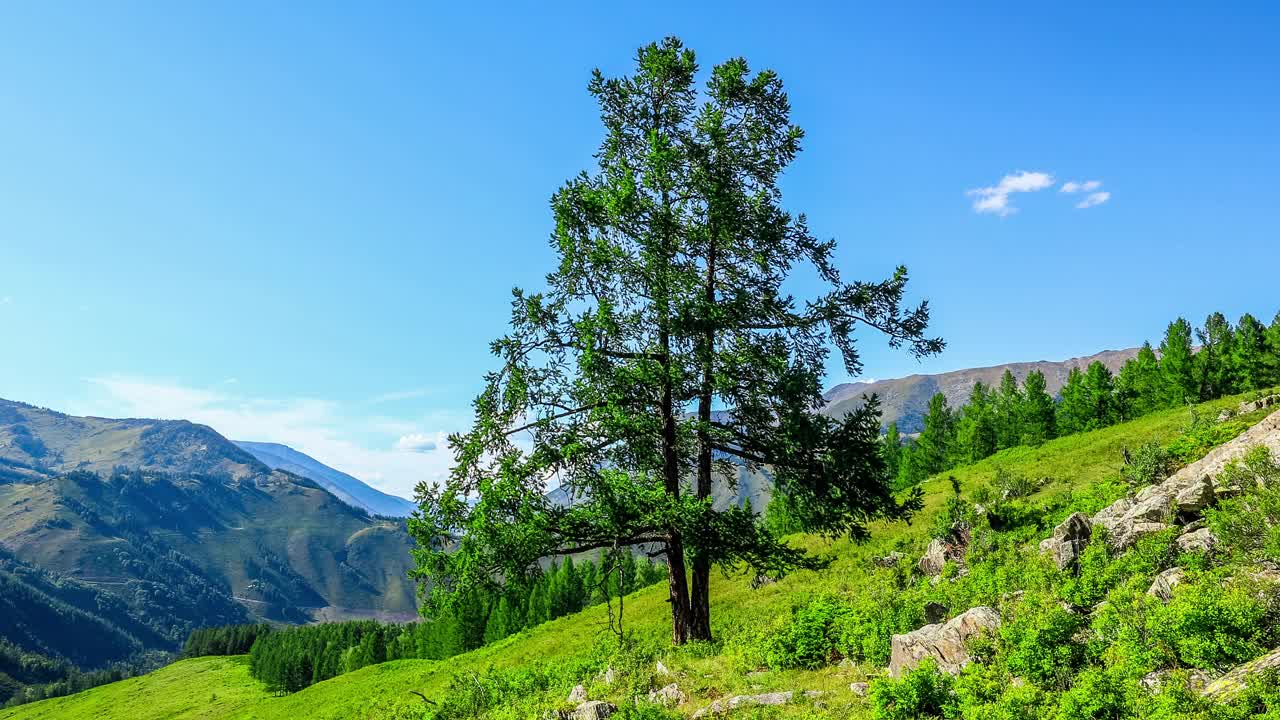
[1072, 186]
[1094, 199]
[319, 428]
[995, 199]
[399, 395]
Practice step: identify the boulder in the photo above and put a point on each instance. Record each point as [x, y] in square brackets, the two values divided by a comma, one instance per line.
[593, 710]
[1197, 541]
[1238, 679]
[725, 705]
[661, 669]
[578, 694]
[1162, 587]
[1195, 496]
[934, 558]
[1069, 539]
[668, 696]
[947, 643]
[860, 688]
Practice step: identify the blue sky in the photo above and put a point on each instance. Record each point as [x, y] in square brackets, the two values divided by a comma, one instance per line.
[300, 222]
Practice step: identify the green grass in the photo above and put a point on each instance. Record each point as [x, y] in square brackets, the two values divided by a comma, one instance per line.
[222, 688]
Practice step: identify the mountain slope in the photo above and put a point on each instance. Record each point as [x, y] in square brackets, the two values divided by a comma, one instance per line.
[569, 650]
[906, 400]
[152, 528]
[347, 488]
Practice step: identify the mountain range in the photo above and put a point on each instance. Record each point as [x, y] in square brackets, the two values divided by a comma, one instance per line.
[906, 400]
[345, 487]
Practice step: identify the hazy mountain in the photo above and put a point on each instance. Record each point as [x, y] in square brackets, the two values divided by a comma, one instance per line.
[906, 400]
[345, 487]
[156, 527]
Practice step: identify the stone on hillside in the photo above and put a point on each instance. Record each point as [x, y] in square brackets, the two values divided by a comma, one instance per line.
[1155, 681]
[593, 710]
[725, 705]
[888, 561]
[1197, 541]
[1069, 539]
[578, 694]
[940, 550]
[860, 688]
[661, 669]
[947, 643]
[1238, 679]
[669, 696]
[609, 676]
[1162, 587]
[1195, 496]
[1131, 533]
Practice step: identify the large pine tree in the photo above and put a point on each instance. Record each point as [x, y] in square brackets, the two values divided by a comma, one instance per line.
[1177, 365]
[667, 302]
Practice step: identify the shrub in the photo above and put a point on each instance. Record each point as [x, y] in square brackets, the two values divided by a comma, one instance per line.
[1095, 695]
[810, 638]
[923, 692]
[1039, 640]
[1249, 525]
[1149, 465]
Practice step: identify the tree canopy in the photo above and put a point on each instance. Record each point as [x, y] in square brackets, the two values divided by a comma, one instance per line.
[665, 350]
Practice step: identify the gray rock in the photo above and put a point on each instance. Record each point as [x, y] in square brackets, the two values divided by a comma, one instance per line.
[1155, 681]
[578, 694]
[947, 643]
[860, 688]
[593, 710]
[1197, 541]
[934, 559]
[1195, 496]
[888, 561]
[1162, 587]
[669, 696]
[1229, 685]
[1069, 539]
[1135, 531]
[725, 705]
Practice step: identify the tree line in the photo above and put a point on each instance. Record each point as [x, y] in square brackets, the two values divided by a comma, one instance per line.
[1191, 365]
[293, 658]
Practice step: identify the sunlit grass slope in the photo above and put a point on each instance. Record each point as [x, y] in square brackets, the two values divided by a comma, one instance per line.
[222, 688]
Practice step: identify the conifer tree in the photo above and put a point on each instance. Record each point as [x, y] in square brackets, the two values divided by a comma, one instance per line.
[1214, 368]
[1177, 365]
[931, 452]
[891, 450]
[1138, 386]
[1249, 360]
[1099, 392]
[1007, 403]
[977, 429]
[668, 300]
[1073, 408]
[1037, 410]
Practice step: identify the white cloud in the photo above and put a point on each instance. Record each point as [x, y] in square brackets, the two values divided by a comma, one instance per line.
[1094, 199]
[995, 199]
[319, 428]
[1086, 186]
[417, 442]
[399, 395]
[7, 299]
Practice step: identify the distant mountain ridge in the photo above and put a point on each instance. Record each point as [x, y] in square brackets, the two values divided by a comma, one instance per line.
[129, 533]
[906, 400]
[345, 487]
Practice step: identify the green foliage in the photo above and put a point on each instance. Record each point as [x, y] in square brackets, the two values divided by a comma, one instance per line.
[1177, 365]
[669, 294]
[1039, 640]
[224, 640]
[810, 638]
[1249, 525]
[923, 692]
[1150, 464]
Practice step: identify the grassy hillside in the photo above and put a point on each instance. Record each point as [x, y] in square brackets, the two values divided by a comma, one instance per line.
[533, 671]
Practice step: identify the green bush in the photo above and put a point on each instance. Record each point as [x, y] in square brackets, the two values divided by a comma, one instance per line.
[1040, 640]
[923, 692]
[810, 638]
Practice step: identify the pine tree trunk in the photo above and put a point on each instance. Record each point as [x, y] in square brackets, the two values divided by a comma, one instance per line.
[680, 620]
[700, 595]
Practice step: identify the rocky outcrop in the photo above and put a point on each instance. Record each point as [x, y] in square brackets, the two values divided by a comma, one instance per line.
[593, 710]
[947, 643]
[1250, 406]
[1162, 587]
[1238, 679]
[720, 707]
[860, 688]
[949, 548]
[1069, 539]
[1185, 494]
[668, 696]
[578, 694]
[1197, 541]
